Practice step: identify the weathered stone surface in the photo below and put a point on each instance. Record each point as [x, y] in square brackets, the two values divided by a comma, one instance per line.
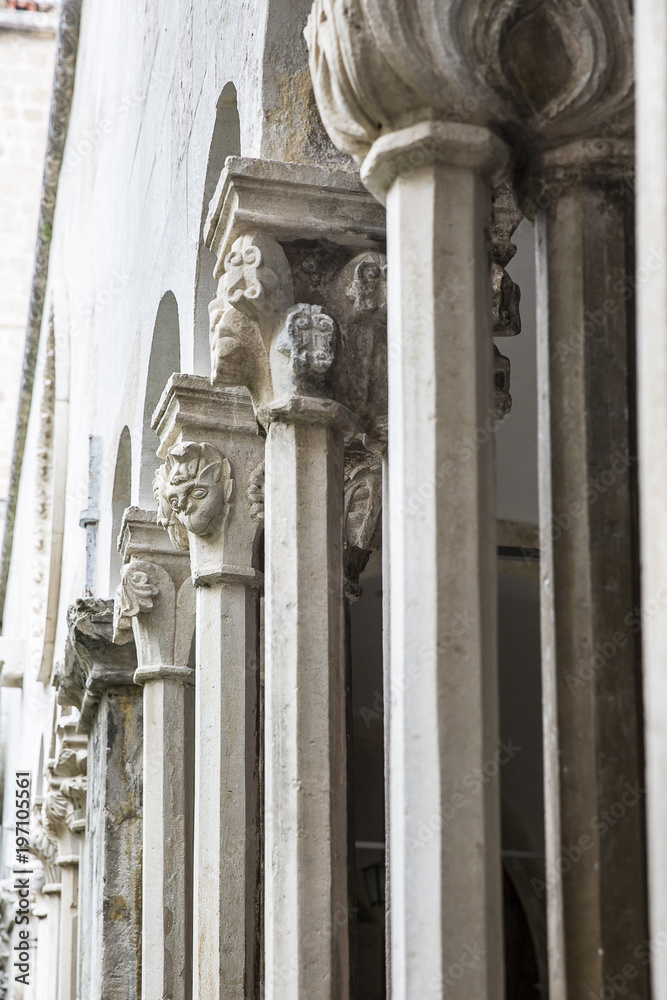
[157, 600]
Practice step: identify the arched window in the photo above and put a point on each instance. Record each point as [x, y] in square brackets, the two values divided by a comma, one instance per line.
[120, 499]
[226, 141]
[165, 359]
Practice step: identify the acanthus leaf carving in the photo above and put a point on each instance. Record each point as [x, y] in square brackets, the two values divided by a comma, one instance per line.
[193, 490]
[134, 596]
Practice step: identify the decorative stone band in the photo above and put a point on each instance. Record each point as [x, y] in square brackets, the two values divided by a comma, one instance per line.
[400, 152]
[228, 573]
[309, 410]
[164, 672]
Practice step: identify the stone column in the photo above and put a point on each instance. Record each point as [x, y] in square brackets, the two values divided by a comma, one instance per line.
[156, 600]
[211, 448]
[96, 677]
[589, 563]
[59, 841]
[473, 66]
[651, 132]
[301, 324]
[44, 846]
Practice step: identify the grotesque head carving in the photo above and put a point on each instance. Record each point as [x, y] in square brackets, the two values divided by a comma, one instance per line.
[367, 291]
[309, 340]
[192, 490]
[257, 276]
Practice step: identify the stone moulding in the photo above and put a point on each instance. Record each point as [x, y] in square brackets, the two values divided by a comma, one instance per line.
[291, 201]
[92, 662]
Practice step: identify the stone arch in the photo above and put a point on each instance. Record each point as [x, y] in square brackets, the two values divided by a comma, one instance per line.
[225, 141]
[165, 359]
[121, 497]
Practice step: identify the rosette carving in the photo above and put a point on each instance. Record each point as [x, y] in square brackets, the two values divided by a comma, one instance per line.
[192, 491]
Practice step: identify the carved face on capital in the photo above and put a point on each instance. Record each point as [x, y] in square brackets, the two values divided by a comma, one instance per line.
[309, 340]
[193, 488]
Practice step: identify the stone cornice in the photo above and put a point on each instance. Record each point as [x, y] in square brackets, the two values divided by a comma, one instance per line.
[290, 201]
[92, 662]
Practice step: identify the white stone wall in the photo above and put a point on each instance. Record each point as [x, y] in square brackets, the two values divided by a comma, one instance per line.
[26, 72]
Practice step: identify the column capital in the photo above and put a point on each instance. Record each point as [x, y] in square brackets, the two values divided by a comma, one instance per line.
[380, 69]
[210, 443]
[92, 662]
[155, 598]
[455, 143]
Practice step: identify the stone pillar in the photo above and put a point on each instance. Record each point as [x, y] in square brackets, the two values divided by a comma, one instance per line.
[651, 132]
[211, 448]
[156, 600]
[473, 66]
[44, 846]
[589, 562]
[57, 839]
[446, 892]
[96, 677]
[300, 322]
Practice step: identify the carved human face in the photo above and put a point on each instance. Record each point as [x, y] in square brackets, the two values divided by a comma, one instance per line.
[198, 503]
[192, 490]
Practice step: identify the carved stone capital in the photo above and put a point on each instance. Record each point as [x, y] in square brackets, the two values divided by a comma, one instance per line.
[210, 445]
[43, 842]
[506, 294]
[92, 662]
[192, 491]
[381, 66]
